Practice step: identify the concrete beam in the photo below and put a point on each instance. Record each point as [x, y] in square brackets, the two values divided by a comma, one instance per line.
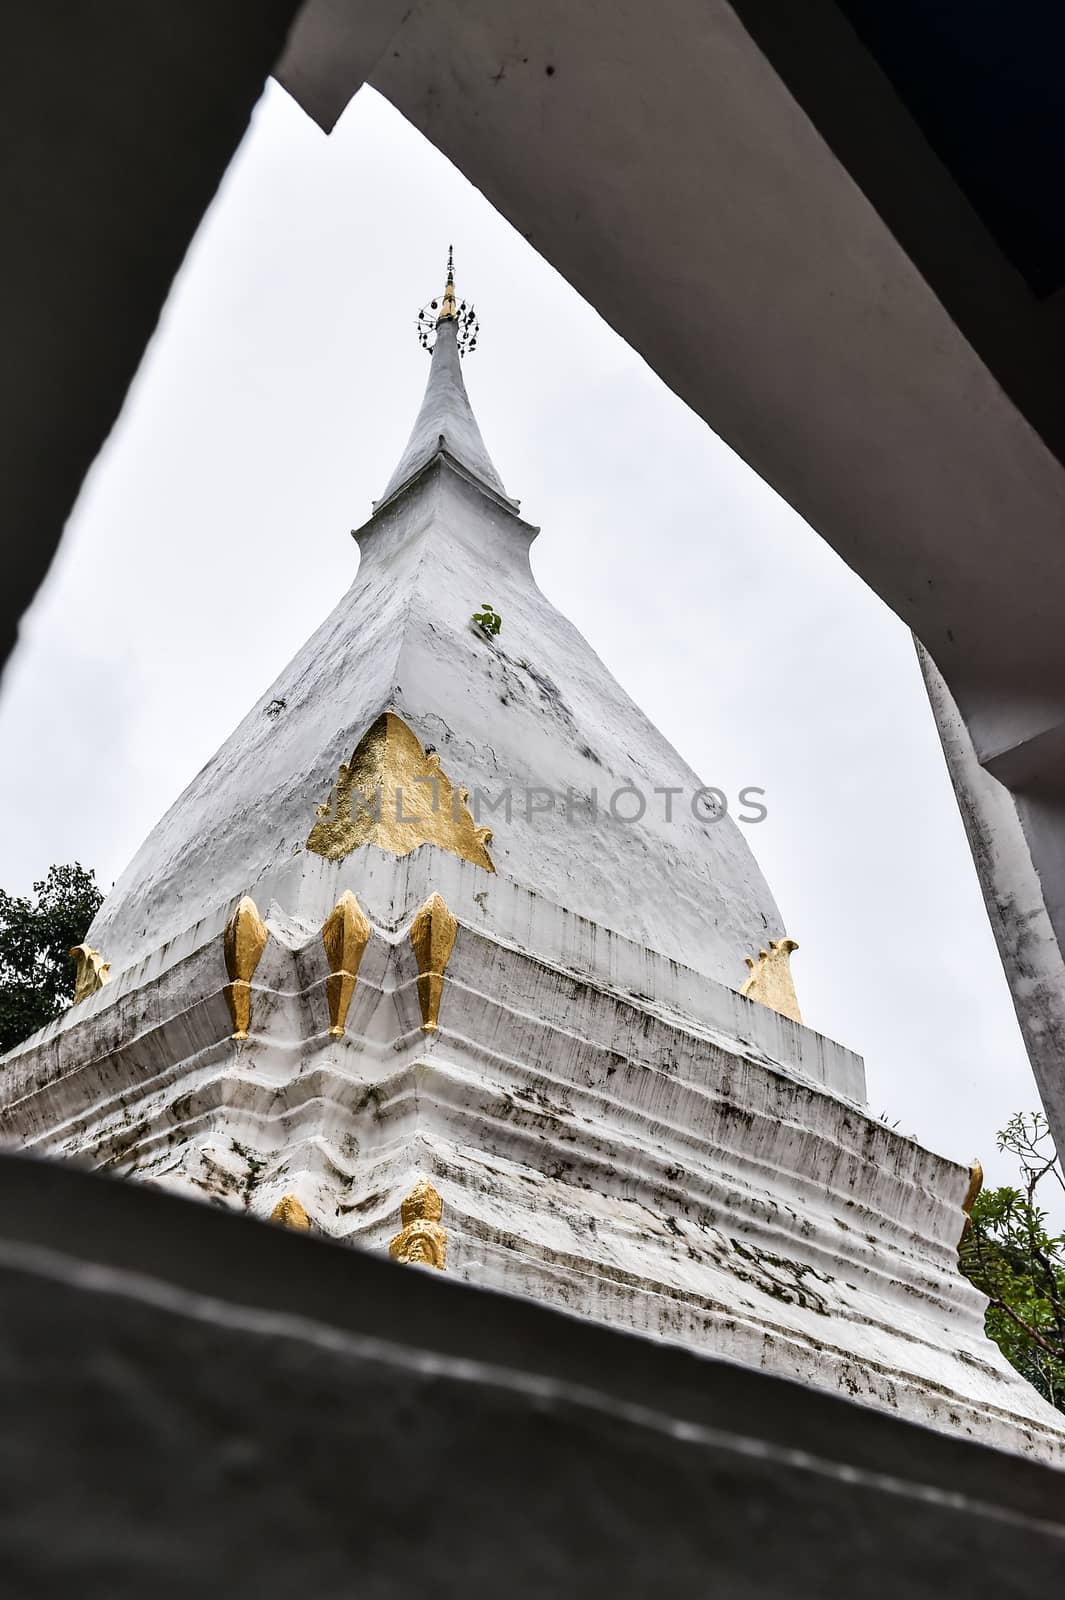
[119, 122]
[332, 49]
[201, 1402]
[1018, 900]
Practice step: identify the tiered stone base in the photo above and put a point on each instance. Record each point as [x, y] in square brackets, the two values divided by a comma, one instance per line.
[593, 1150]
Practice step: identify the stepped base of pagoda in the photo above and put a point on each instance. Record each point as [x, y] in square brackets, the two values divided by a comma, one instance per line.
[594, 1150]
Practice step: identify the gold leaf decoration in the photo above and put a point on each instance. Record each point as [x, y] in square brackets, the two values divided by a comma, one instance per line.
[392, 794]
[244, 942]
[421, 1241]
[345, 934]
[976, 1183]
[432, 934]
[92, 972]
[769, 980]
[290, 1214]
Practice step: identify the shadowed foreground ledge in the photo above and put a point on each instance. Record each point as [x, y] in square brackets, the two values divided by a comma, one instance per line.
[195, 1398]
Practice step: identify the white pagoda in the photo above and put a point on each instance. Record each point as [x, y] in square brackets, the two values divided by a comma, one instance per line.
[442, 953]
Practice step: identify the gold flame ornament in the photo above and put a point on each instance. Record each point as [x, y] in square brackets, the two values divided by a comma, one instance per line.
[769, 979]
[421, 1242]
[244, 942]
[396, 796]
[345, 935]
[290, 1214]
[976, 1183]
[92, 971]
[432, 934]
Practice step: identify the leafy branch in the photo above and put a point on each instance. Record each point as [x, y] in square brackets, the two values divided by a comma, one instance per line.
[36, 972]
[488, 619]
[1009, 1253]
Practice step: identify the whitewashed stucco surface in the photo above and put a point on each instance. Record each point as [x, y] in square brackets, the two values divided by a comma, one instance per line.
[533, 708]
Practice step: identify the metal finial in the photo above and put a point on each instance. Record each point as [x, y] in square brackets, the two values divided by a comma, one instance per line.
[447, 309]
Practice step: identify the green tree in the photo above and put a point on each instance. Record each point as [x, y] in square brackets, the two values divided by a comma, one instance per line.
[36, 972]
[1010, 1254]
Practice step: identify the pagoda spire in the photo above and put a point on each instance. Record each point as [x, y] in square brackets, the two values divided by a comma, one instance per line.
[445, 424]
[448, 310]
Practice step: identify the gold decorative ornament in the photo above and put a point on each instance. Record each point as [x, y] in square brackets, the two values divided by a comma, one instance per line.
[392, 794]
[769, 980]
[432, 933]
[976, 1183]
[92, 971]
[290, 1214]
[345, 934]
[449, 311]
[445, 309]
[245, 940]
[421, 1241]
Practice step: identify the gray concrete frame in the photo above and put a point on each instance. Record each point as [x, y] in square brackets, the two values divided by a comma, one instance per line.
[197, 1402]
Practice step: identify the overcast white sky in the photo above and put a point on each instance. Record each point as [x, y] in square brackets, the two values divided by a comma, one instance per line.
[213, 536]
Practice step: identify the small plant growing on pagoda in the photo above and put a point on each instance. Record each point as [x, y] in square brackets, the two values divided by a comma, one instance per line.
[488, 619]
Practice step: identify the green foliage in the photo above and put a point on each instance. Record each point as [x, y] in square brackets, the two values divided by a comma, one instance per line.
[1010, 1255]
[488, 619]
[36, 972]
